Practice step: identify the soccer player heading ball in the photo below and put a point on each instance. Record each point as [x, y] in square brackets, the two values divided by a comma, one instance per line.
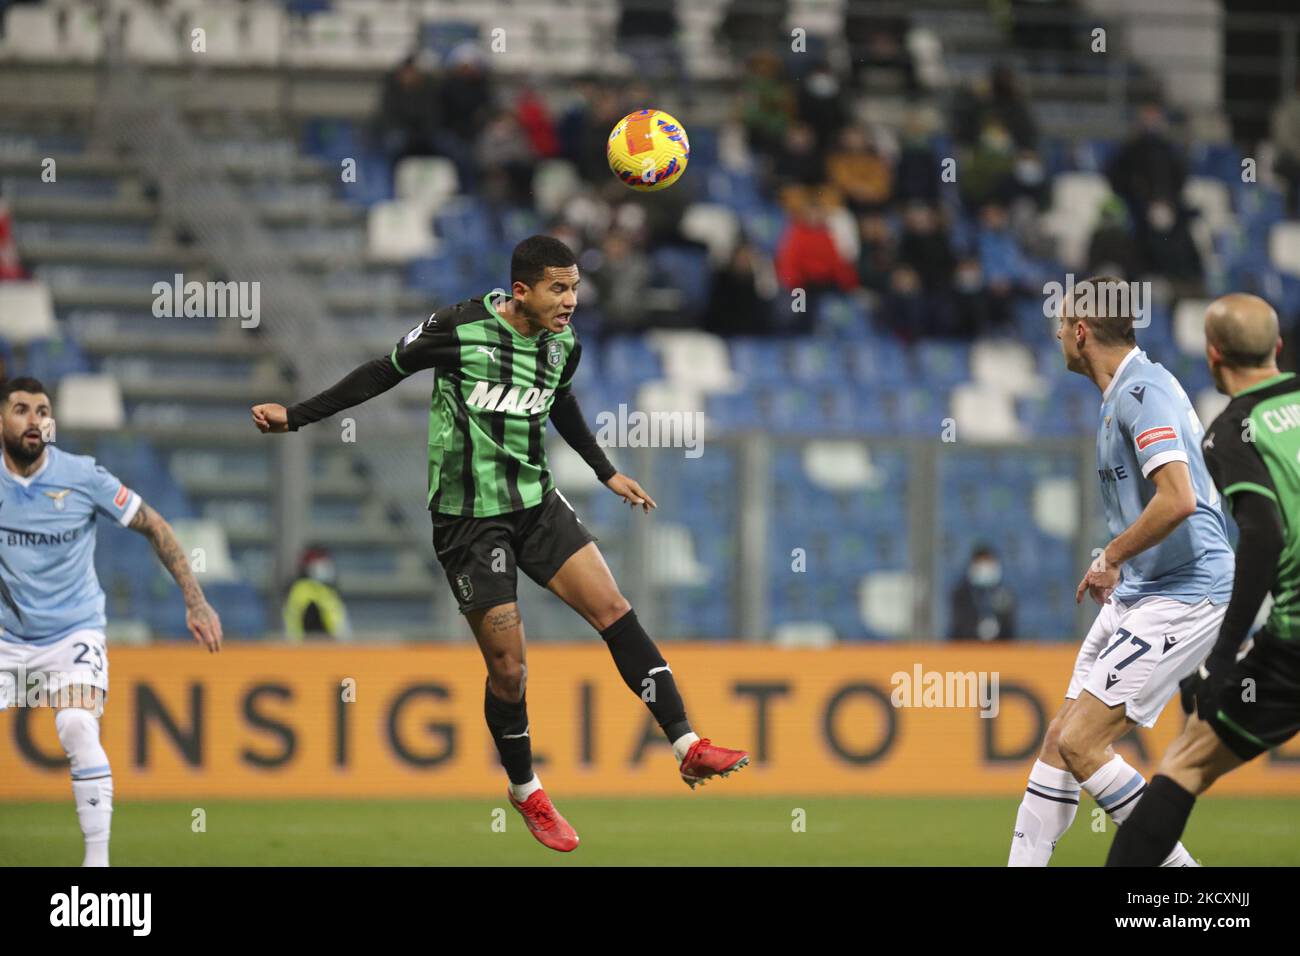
[505, 365]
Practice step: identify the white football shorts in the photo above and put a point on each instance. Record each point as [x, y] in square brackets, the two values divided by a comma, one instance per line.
[1136, 654]
[30, 669]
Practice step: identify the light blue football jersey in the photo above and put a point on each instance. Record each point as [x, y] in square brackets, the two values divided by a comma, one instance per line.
[1146, 420]
[48, 586]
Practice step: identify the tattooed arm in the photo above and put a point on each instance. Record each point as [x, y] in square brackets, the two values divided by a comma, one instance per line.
[200, 618]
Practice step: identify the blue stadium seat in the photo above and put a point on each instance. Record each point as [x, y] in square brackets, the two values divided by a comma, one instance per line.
[734, 412]
[685, 268]
[630, 361]
[374, 181]
[943, 363]
[842, 318]
[331, 139]
[879, 363]
[760, 360]
[1220, 161]
[51, 359]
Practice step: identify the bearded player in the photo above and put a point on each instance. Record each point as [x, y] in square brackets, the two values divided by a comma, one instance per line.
[52, 646]
[1163, 581]
[504, 365]
[1253, 451]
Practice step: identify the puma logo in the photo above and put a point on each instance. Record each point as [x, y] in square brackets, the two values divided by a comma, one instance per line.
[490, 352]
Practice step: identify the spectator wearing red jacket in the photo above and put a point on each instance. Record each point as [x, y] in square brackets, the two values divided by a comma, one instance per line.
[808, 259]
[10, 267]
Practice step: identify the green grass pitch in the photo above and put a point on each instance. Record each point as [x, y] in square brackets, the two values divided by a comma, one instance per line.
[715, 830]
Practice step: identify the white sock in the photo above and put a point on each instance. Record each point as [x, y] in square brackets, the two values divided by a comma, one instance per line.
[522, 791]
[1117, 787]
[683, 744]
[92, 780]
[1179, 856]
[1046, 812]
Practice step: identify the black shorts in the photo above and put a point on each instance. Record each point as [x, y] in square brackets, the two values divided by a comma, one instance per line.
[480, 555]
[1269, 715]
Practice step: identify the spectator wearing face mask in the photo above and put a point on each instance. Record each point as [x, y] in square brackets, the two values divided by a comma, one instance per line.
[313, 608]
[983, 608]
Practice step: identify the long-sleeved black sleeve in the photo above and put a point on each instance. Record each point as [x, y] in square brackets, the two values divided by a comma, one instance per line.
[1258, 549]
[360, 385]
[573, 428]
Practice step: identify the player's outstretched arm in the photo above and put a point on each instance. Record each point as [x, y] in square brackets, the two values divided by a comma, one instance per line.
[572, 426]
[626, 487]
[360, 385]
[1173, 502]
[200, 618]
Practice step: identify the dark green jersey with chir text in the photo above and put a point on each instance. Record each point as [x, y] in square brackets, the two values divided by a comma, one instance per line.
[493, 390]
[1254, 447]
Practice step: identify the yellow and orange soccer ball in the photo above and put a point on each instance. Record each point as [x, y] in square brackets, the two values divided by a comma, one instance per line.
[648, 150]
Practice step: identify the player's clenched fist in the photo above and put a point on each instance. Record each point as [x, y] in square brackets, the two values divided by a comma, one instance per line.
[270, 418]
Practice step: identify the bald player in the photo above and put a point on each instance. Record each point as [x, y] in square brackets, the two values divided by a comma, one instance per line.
[1238, 708]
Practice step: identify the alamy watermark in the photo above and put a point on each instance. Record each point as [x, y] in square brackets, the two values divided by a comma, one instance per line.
[208, 300]
[1105, 298]
[638, 429]
[22, 688]
[962, 689]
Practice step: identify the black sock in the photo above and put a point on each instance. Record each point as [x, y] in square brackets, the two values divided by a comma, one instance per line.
[1155, 825]
[636, 656]
[506, 722]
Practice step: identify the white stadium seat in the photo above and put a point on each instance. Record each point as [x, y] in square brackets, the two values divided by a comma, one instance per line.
[398, 231]
[1076, 205]
[555, 181]
[1189, 326]
[151, 36]
[672, 557]
[1211, 198]
[927, 53]
[714, 225]
[31, 33]
[1005, 366]
[840, 466]
[90, 401]
[264, 42]
[698, 359]
[1284, 247]
[83, 41]
[426, 182]
[984, 414]
[206, 540]
[1056, 507]
[804, 634]
[220, 24]
[26, 312]
[662, 395]
[885, 602]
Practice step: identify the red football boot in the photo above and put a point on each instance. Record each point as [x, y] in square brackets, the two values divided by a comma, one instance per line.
[545, 822]
[704, 760]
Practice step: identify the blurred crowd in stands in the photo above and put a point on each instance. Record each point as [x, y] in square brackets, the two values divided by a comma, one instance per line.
[939, 260]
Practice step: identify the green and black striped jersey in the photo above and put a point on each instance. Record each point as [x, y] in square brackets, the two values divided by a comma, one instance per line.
[1254, 447]
[492, 393]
